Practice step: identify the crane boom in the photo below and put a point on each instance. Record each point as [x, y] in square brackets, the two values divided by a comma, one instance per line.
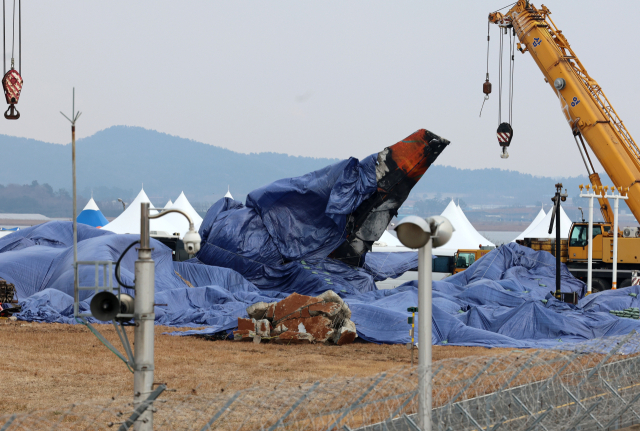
[583, 103]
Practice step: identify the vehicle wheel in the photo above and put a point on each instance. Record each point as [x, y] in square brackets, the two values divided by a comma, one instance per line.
[598, 285]
[625, 283]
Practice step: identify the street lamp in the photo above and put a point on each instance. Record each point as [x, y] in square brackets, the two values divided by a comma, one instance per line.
[124, 206]
[424, 234]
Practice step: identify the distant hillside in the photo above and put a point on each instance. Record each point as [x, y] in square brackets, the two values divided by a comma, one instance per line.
[115, 162]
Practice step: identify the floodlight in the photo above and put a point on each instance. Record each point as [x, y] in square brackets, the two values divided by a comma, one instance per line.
[413, 231]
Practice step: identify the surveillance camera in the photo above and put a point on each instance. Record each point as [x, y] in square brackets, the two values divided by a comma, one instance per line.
[191, 242]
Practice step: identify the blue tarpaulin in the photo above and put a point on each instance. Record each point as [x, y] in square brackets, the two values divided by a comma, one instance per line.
[280, 243]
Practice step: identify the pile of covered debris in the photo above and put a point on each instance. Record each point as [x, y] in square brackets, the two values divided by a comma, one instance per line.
[299, 319]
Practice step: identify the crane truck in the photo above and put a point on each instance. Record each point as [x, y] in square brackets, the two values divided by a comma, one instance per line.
[593, 120]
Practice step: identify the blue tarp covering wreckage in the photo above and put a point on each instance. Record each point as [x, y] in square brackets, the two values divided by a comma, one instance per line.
[284, 240]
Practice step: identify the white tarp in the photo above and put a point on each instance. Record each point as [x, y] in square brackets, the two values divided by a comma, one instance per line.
[129, 220]
[533, 224]
[178, 221]
[541, 230]
[168, 205]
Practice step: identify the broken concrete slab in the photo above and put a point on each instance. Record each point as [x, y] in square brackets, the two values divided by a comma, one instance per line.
[324, 319]
[319, 327]
[263, 328]
[243, 335]
[327, 309]
[258, 310]
[346, 334]
[246, 324]
[291, 337]
[294, 305]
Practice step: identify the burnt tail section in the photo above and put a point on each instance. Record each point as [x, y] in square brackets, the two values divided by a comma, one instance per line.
[399, 167]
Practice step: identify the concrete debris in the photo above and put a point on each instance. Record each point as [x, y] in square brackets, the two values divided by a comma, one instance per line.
[299, 319]
[258, 310]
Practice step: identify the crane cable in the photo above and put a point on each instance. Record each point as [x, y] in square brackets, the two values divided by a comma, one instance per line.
[13, 36]
[512, 45]
[500, 62]
[486, 96]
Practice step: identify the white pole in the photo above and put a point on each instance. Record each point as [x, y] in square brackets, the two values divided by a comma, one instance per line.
[614, 278]
[590, 252]
[424, 336]
[144, 318]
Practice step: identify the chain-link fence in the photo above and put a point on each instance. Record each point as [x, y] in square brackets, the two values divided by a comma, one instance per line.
[589, 386]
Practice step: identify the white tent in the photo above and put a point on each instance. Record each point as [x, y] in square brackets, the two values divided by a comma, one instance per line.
[481, 240]
[228, 195]
[541, 230]
[464, 236]
[179, 222]
[534, 223]
[129, 220]
[389, 243]
[168, 205]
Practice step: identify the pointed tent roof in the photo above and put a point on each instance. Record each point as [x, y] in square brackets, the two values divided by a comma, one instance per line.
[168, 205]
[91, 215]
[179, 223]
[462, 237]
[389, 243]
[129, 220]
[228, 195]
[481, 240]
[533, 224]
[541, 230]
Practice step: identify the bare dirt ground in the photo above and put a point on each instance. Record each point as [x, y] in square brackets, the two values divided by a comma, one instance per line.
[52, 365]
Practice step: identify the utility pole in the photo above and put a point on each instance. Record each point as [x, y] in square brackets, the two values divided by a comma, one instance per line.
[72, 120]
[616, 197]
[591, 196]
[559, 197]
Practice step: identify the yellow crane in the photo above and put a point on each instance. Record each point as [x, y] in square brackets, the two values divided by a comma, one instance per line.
[591, 118]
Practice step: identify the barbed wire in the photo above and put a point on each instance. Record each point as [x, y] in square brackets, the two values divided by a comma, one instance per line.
[593, 385]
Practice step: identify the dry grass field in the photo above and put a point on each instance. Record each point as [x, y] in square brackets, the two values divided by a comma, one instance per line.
[50, 365]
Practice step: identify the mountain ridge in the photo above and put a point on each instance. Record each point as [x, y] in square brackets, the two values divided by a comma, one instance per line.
[120, 159]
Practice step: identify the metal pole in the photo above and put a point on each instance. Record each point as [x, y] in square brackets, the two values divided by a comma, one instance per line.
[424, 336]
[144, 318]
[590, 247]
[558, 291]
[614, 279]
[75, 203]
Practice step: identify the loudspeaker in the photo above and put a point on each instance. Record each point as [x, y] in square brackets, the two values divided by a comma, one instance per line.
[105, 305]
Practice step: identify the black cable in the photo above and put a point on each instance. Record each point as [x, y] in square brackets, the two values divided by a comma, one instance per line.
[488, 44]
[512, 44]
[4, 38]
[500, 77]
[118, 265]
[13, 29]
[505, 6]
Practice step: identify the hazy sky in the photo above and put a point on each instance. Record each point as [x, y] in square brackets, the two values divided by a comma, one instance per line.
[314, 78]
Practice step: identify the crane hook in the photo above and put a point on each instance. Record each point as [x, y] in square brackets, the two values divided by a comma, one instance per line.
[12, 84]
[505, 134]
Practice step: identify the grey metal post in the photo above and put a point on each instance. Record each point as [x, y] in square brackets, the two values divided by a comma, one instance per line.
[144, 322]
[590, 248]
[72, 120]
[614, 279]
[424, 336]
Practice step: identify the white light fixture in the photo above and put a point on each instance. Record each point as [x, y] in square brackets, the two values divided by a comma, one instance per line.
[423, 234]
